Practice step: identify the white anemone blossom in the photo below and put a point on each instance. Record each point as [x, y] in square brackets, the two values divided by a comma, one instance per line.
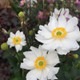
[62, 11]
[60, 34]
[17, 40]
[41, 64]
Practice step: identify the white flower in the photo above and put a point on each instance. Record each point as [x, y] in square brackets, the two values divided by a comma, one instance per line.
[31, 1]
[40, 63]
[61, 12]
[17, 40]
[60, 34]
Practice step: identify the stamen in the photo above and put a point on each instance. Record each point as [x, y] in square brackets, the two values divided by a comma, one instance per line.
[59, 32]
[40, 63]
[16, 40]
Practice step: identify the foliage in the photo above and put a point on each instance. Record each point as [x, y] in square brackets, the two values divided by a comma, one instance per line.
[69, 66]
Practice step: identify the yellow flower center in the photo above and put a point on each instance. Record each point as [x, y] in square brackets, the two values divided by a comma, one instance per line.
[16, 40]
[59, 32]
[40, 63]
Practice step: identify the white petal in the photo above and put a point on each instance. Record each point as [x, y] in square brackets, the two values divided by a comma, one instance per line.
[43, 51]
[39, 51]
[33, 75]
[62, 52]
[68, 44]
[45, 73]
[18, 47]
[23, 43]
[52, 72]
[52, 58]
[20, 34]
[54, 78]
[36, 51]
[30, 55]
[66, 12]
[12, 35]
[42, 39]
[56, 11]
[11, 45]
[71, 24]
[62, 21]
[44, 32]
[9, 42]
[48, 46]
[52, 24]
[62, 11]
[56, 69]
[27, 64]
[42, 78]
[52, 45]
[75, 35]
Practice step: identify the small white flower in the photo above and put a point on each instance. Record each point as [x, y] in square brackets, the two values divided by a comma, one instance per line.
[61, 12]
[31, 1]
[60, 34]
[17, 40]
[40, 63]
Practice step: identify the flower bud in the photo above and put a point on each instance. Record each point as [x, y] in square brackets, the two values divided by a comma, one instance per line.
[4, 46]
[31, 32]
[21, 14]
[76, 56]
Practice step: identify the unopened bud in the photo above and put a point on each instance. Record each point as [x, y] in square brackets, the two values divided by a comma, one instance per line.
[76, 56]
[21, 14]
[31, 32]
[4, 46]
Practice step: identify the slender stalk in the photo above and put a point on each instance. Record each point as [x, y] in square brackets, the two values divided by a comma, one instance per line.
[18, 58]
[25, 30]
[43, 4]
[23, 73]
[13, 55]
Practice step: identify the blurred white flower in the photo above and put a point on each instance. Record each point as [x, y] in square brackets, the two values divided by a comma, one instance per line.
[31, 1]
[40, 63]
[17, 40]
[60, 34]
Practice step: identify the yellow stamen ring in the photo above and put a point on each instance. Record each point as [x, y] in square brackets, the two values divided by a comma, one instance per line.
[59, 32]
[40, 63]
[16, 40]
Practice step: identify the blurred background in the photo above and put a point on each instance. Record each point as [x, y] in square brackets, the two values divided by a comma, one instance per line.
[7, 20]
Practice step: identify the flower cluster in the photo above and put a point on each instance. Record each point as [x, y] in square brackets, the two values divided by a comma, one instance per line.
[59, 36]
[41, 48]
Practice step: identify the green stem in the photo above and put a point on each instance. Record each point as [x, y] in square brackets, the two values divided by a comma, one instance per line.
[11, 54]
[23, 73]
[18, 58]
[43, 5]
